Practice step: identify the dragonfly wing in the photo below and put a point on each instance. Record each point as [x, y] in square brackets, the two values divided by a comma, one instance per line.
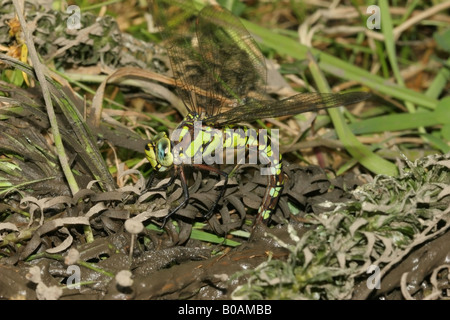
[236, 64]
[215, 61]
[176, 19]
[299, 103]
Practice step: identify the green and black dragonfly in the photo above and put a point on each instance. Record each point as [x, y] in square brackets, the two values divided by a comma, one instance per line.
[220, 75]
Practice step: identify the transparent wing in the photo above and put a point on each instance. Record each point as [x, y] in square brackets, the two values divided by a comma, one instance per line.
[176, 20]
[299, 103]
[236, 64]
[216, 64]
[215, 61]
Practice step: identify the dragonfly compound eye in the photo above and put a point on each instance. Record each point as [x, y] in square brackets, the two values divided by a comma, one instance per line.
[164, 152]
[159, 153]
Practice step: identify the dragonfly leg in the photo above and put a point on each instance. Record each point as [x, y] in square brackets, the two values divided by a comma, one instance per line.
[222, 192]
[185, 193]
[270, 200]
[149, 183]
[148, 186]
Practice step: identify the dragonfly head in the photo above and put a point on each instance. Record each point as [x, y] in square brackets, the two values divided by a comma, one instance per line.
[159, 152]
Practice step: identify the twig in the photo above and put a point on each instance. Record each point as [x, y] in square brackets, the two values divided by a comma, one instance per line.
[47, 98]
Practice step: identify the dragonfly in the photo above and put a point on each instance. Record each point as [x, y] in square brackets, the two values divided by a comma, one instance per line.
[221, 76]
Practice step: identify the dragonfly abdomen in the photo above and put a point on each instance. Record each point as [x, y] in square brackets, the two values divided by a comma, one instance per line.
[267, 148]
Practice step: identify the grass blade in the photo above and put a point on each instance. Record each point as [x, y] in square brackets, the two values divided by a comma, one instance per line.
[337, 67]
[358, 151]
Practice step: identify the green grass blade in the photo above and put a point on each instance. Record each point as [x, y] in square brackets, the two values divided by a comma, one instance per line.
[408, 121]
[399, 122]
[84, 138]
[357, 150]
[337, 67]
[212, 238]
[389, 42]
[438, 143]
[439, 83]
